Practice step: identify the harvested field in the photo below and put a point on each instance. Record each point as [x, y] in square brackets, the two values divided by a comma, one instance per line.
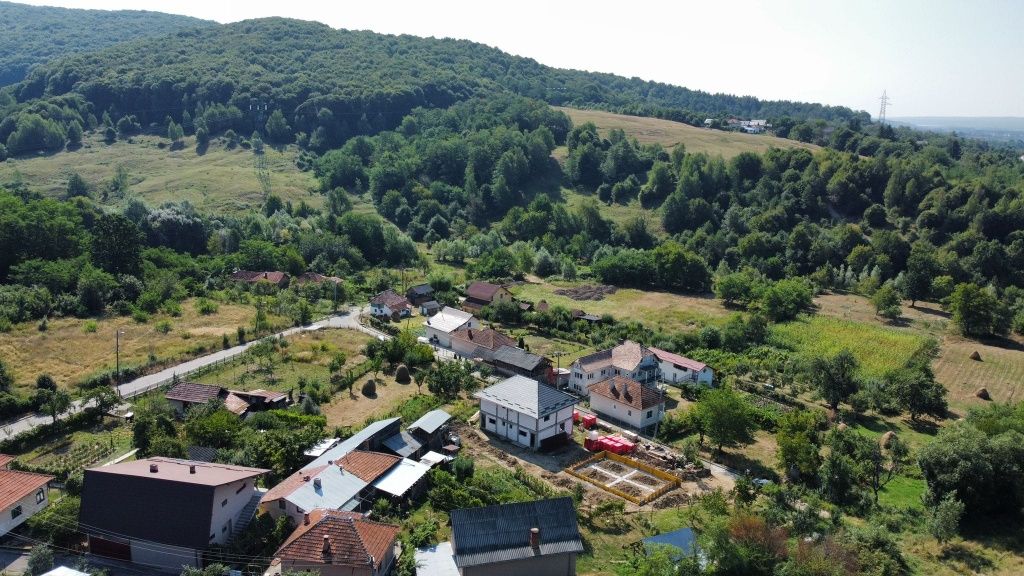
[587, 292]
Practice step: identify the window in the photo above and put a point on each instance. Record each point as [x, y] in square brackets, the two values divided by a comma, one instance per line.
[40, 496]
[224, 503]
[629, 412]
[16, 511]
[547, 418]
[300, 510]
[490, 420]
[650, 413]
[281, 504]
[522, 433]
[212, 536]
[603, 372]
[242, 487]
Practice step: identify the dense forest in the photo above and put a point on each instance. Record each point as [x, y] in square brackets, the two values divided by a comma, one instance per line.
[330, 84]
[35, 35]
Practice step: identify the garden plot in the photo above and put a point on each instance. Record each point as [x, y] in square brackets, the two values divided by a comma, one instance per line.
[625, 477]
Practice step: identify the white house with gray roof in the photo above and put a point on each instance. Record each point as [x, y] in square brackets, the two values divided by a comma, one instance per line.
[524, 411]
[439, 327]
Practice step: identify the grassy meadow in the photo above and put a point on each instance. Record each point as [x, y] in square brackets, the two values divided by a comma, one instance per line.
[219, 181]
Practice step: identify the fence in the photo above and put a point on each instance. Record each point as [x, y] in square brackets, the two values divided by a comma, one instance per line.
[670, 482]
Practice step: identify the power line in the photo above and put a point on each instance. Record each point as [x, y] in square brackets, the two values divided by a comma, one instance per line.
[884, 99]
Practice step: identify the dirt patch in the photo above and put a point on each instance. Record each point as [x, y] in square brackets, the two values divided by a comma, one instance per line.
[615, 467]
[587, 292]
[596, 474]
[646, 480]
[673, 499]
[631, 490]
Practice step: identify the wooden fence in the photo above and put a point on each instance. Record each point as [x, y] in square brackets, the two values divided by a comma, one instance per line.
[670, 482]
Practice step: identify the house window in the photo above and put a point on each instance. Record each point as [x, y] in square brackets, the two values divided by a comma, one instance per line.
[16, 511]
[300, 510]
[242, 487]
[650, 413]
[281, 504]
[490, 420]
[522, 433]
[629, 412]
[212, 536]
[40, 496]
[547, 418]
[224, 503]
[603, 372]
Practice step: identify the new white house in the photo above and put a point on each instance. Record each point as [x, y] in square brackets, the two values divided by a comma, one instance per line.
[524, 411]
[440, 326]
[676, 369]
[625, 400]
[628, 359]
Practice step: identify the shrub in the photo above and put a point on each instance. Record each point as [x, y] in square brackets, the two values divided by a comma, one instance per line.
[163, 326]
[206, 307]
[89, 327]
[140, 316]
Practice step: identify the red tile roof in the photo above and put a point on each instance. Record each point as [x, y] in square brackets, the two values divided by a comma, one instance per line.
[292, 483]
[194, 393]
[682, 361]
[391, 299]
[483, 291]
[315, 278]
[625, 356]
[367, 466]
[15, 485]
[487, 338]
[627, 391]
[351, 540]
[5, 460]
[250, 276]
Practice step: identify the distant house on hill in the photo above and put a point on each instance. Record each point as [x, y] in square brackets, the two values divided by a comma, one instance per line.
[337, 543]
[279, 279]
[389, 304]
[314, 278]
[628, 359]
[188, 394]
[676, 369]
[625, 400]
[419, 294]
[480, 294]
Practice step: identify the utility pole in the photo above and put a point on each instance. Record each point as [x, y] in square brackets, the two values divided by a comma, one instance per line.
[558, 366]
[117, 357]
[884, 99]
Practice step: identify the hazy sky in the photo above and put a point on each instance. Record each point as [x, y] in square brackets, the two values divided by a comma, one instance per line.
[935, 57]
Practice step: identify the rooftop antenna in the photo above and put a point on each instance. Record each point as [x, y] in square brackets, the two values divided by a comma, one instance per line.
[884, 99]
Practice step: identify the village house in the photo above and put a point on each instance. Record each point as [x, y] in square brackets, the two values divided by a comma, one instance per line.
[480, 294]
[524, 411]
[624, 400]
[431, 429]
[370, 438]
[314, 278]
[243, 403]
[439, 327]
[539, 538]
[337, 543]
[419, 294]
[628, 359]
[429, 308]
[676, 369]
[389, 304]
[479, 343]
[512, 360]
[22, 495]
[279, 279]
[185, 395]
[166, 512]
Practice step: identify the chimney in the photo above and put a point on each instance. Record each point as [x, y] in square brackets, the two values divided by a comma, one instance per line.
[327, 545]
[613, 389]
[191, 468]
[153, 469]
[305, 478]
[470, 331]
[316, 482]
[305, 519]
[534, 537]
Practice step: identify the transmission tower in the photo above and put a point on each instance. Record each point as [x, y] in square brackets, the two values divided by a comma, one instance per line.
[884, 99]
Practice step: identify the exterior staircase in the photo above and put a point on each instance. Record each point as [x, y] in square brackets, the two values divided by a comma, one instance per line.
[248, 513]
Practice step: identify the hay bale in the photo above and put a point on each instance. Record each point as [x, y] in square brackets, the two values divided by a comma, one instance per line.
[842, 426]
[886, 439]
[402, 374]
[976, 356]
[983, 394]
[370, 388]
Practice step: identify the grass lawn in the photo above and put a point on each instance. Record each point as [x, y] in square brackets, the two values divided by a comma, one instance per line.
[878, 349]
[618, 213]
[669, 133]
[655, 309]
[218, 181]
[70, 354]
[903, 492]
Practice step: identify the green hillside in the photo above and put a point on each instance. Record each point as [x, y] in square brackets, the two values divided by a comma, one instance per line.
[34, 35]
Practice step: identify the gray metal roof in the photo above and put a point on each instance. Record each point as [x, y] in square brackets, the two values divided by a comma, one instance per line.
[431, 421]
[436, 560]
[350, 444]
[527, 396]
[402, 477]
[403, 444]
[336, 488]
[502, 533]
[518, 357]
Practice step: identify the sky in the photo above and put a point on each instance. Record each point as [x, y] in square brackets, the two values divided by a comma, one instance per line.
[933, 58]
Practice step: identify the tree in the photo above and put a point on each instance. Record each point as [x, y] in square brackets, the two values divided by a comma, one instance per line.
[77, 186]
[835, 378]
[977, 312]
[45, 382]
[278, 130]
[917, 392]
[677, 268]
[920, 272]
[944, 518]
[55, 402]
[786, 298]
[799, 444]
[117, 245]
[887, 301]
[725, 416]
[40, 560]
[175, 132]
[74, 134]
[883, 463]
[447, 379]
[6, 378]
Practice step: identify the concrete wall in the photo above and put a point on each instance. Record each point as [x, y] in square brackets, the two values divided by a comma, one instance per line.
[674, 374]
[553, 565]
[236, 495]
[290, 510]
[522, 428]
[29, 507]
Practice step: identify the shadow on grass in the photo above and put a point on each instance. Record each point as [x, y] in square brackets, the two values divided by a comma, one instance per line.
[743, 464]
[963, 555]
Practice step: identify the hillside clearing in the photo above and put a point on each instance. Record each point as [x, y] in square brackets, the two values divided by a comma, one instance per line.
[669, 133]
[1000, 371]
[218, 181]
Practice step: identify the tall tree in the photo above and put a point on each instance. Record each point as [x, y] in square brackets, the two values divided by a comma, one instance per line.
[835, 378]
[726, 417]
[117, 245]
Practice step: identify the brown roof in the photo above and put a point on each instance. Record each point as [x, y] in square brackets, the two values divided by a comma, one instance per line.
[236, 404]
[351, 540]
[625, 356]
[194, 393]
[15, 485]
[676, 359]
[315, 278]
[366, 465]
[486, 338]
[391, 299]
[176, 470]
[5, 460]
[291, 483]
[482, 291]
[627, 391]
[250, 276]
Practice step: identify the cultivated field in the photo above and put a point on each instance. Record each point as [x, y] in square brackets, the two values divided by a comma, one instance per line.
[70, 354]
[218, 181]
[1000, 371]
[669, 133]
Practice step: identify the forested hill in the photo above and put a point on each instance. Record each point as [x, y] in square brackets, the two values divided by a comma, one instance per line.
[34, 35]
[367, 81]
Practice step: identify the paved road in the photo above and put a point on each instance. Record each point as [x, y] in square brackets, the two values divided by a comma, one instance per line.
[347, 319]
